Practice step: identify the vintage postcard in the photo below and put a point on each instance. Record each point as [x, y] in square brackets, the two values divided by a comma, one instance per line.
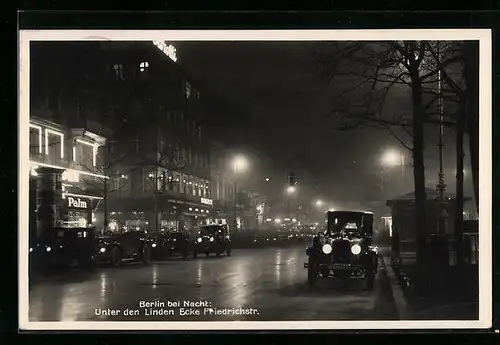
[253, 180]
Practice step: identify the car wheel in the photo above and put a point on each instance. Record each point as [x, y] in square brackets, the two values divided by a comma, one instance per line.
[146, 255]
[370, 280]
[116, 257]
[312, 274]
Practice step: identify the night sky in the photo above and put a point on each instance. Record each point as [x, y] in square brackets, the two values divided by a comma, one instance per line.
[276, 89]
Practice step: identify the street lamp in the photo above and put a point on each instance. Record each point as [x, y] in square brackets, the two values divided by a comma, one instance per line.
[291, 189]
[240, 163]
[267, 179]
[319, 203]
[393, 158]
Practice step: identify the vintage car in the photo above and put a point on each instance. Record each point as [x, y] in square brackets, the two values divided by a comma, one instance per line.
[212, 239]
[61, 247]
[344, 249]
[170, 243]
[127, 246]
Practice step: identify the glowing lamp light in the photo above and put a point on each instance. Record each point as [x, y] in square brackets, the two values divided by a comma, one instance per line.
[240, 163]
[199, 240]
[327, 249]
[291, 189]
[356, 249]
[277, 220]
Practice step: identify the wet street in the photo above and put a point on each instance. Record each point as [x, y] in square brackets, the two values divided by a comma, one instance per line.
[267, 284]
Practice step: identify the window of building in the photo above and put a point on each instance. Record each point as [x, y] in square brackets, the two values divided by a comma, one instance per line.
[143, 66]
[36, 140]
[176, 182]
[118, 70]
[187, 89]
[85, 153]
[54, 146]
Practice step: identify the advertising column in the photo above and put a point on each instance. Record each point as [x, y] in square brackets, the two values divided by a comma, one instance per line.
[49, 198]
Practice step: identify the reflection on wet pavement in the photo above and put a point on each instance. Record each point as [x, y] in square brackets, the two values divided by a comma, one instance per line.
[271, 280]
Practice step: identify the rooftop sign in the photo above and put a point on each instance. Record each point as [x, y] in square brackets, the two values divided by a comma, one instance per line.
[167, 49]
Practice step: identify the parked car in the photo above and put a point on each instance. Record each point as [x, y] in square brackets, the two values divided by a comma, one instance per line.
[61, 247]
[128, 246]
[344, 250]
[212, 239]
[168, 244]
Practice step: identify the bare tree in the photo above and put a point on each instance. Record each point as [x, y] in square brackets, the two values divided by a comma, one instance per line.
[112, 167]
[371, 73]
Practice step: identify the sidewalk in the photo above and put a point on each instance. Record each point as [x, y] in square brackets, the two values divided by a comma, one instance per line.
[436, 293]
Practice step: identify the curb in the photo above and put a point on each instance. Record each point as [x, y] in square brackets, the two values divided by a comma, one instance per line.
[397, 292]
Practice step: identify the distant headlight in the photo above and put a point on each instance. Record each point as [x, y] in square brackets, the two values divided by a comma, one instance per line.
[327, 249]
[102, 250]
[31, 249]
[199, 240]
[174, 239]
[48, 249]
[212, 239]
[356, 249]
[153, 245]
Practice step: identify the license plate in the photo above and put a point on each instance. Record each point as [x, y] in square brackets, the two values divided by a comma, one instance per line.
[341, 266]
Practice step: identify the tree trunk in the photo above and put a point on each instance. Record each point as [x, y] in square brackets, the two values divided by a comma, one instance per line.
[419, 166]
[460, 189]
[471, 74]
[106, 220]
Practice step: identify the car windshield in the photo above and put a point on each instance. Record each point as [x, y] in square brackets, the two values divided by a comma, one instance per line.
[211, 230]
[350, 223]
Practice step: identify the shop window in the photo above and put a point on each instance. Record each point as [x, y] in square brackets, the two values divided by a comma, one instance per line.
[85, 154]
[36, 140]
[54, 146]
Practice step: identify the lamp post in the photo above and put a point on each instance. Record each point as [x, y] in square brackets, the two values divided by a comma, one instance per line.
[239, 164]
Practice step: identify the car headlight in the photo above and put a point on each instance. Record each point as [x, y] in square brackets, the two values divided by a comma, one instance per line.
[199, 240]
[48, 249]
[174, 240]
[327, 249]
[102, 250]
[212, 239]
[31, 249]
[153, 245]
[356, 249]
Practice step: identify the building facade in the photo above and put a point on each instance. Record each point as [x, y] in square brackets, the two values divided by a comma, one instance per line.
[157, 160]
[64, 167]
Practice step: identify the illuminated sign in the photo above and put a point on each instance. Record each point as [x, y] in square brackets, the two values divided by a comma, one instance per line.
[76, 203]
[71, 176]
[167, 49]
[206, 201]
